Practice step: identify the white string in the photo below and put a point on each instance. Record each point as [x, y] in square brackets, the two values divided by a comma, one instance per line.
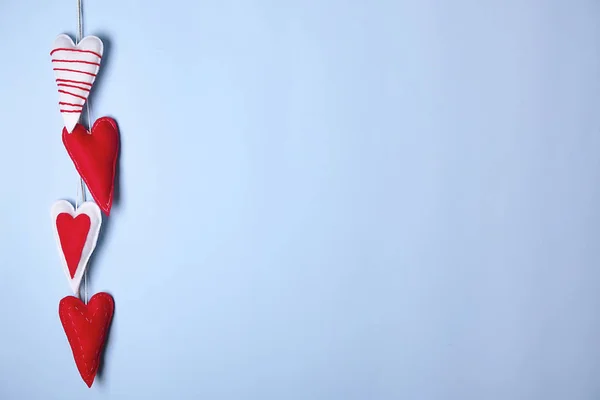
[81, 197]
[79, 23]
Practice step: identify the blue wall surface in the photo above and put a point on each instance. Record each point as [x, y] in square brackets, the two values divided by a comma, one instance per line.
[319, 199]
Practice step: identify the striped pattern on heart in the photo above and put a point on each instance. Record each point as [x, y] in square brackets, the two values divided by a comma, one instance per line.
[75, 68]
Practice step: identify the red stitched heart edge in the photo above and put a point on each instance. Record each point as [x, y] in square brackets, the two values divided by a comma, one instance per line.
[103, 199]
[86, 327]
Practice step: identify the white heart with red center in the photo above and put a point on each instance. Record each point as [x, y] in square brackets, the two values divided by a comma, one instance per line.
[76, 233]
[75, 68]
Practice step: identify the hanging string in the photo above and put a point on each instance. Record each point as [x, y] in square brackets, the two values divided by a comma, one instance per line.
[79, 23]
[81, 197]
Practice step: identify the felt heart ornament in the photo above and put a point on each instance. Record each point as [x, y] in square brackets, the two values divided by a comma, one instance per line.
[95, 157]
[76, 233]
[86, 327]
[75, 68]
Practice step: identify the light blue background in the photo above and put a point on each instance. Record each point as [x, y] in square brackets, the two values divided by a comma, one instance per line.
[319, 199]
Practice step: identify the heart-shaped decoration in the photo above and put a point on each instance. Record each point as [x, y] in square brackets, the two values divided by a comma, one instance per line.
[76, 233]
[95, 157]
[75, 68]
[86, 327]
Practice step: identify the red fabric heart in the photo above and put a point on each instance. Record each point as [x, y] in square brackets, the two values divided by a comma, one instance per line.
[95, 157]
[86, 327]
[72, 233]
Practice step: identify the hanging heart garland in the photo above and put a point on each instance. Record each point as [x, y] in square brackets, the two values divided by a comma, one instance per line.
[86, 327]
[94, 154]
[76, 233]
[76, 230]
[75, 68]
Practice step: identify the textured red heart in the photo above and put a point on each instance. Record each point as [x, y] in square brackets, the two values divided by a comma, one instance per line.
[95, 157]
[86, 327]
[73, 233]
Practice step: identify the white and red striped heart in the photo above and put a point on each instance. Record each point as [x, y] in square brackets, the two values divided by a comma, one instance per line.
[75, 68]
[76, 233]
